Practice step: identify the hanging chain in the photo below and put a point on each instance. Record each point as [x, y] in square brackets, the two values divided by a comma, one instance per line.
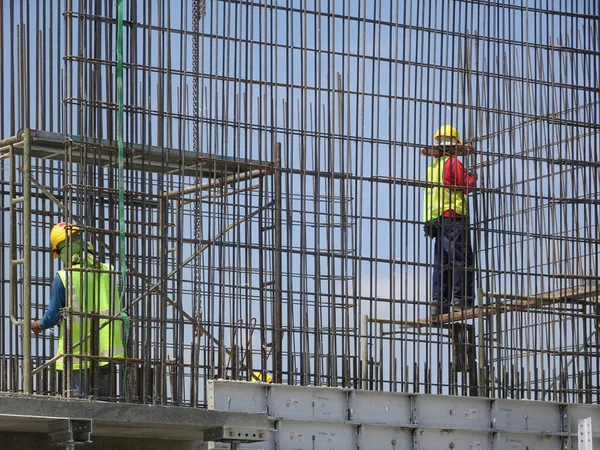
[196, 8]
[198, 12]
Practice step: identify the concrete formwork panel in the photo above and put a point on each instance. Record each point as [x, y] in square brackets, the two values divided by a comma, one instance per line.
[431, 438]
[451, 412]
[525, 415]
[292, 435]
[379, 408]
[237, 397]
[384, 437]
[333, 418]
[315, 404]
[515, 441]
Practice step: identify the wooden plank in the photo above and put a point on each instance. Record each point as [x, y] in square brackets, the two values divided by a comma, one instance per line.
[456, 150]
[459, 316]
[519, 303]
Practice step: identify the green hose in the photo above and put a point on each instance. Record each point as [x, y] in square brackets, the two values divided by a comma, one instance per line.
[120, 120]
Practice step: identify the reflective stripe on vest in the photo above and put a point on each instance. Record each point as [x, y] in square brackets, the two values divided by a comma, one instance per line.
[91, 292]
[439, 199]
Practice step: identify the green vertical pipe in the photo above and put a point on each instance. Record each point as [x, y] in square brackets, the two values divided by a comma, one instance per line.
[120, 142]
[122, 254]
[27, 375]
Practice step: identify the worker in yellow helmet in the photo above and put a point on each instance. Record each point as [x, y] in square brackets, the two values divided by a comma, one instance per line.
[87, 290]
[446, 218]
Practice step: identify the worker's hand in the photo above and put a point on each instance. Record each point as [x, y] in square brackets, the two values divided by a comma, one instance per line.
[36, 327]
[473, 174]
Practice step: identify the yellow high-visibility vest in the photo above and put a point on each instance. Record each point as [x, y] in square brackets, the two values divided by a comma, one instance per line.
[438, 198]
[91, 292]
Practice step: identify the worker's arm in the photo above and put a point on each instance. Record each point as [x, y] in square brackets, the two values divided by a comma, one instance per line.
[57, 302]
[456, 175]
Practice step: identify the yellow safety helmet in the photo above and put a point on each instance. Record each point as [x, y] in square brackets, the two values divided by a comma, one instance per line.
[447, 131]
[257, 376]
[59, 234]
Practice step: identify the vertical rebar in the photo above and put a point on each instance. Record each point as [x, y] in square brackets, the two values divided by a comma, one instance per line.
[277, 267]
[364, 346]
[354, 91]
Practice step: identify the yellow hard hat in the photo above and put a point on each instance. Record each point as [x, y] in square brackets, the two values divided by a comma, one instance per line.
[59, 234]
[447, 131]
[257, 376]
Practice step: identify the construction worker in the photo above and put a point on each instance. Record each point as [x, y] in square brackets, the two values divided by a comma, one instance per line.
[87, 290]
[446, 217]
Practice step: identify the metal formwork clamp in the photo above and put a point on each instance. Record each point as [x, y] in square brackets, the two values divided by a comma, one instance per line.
[236, 435]
[584, 434]
[68, 432]
[415, 420]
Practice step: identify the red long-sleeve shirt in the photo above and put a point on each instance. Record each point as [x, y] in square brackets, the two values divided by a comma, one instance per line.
[456, 175]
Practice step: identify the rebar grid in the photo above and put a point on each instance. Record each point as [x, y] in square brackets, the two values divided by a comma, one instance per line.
[274, 184]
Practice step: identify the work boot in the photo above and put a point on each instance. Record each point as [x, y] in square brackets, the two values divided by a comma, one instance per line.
[437, 309]
[456, 310]
[459, 308]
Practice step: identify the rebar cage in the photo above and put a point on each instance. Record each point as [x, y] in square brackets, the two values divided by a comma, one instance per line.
[273, 191]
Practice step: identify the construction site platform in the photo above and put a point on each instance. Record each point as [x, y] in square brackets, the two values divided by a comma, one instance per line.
[147, 158]
[43, 421]
[508, 303]
[514, 303]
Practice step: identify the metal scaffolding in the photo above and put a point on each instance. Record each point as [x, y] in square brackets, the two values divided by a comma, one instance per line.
[274, 169]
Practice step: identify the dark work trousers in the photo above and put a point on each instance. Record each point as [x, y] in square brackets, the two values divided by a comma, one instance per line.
[453, 271]
[81, 381]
